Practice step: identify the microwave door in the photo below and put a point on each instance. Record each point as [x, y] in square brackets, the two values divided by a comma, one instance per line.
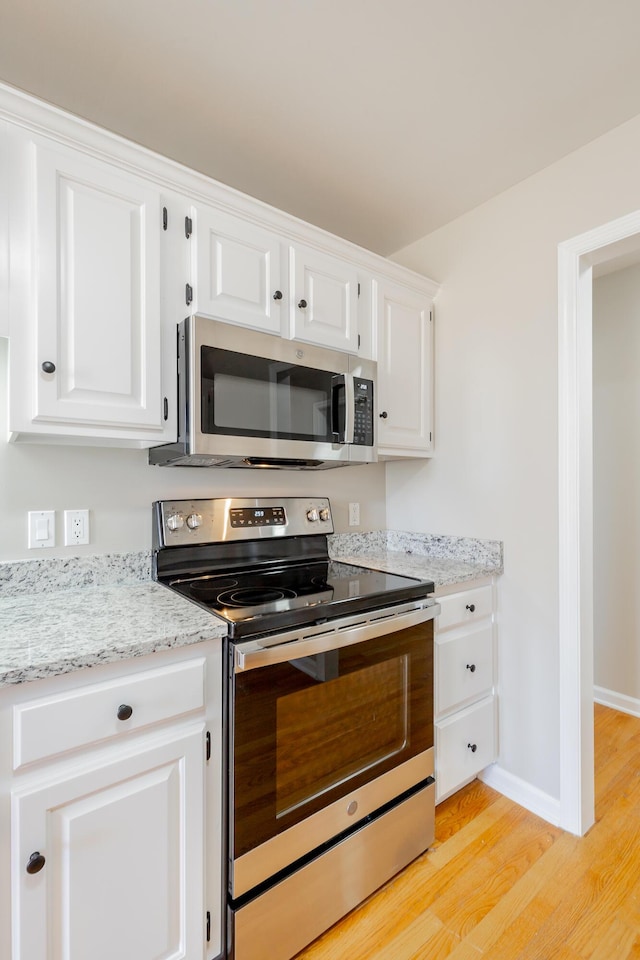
[342, 407]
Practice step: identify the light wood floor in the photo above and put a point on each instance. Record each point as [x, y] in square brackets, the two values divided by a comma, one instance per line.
[501, 883]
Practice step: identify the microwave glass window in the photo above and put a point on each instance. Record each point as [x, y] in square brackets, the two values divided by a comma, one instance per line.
[255, 396]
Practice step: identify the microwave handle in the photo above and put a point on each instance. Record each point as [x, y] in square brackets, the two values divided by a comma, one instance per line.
[343, 381]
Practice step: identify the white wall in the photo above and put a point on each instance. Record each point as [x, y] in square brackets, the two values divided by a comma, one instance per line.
[496, 470]
[616, 428]
[118, 487]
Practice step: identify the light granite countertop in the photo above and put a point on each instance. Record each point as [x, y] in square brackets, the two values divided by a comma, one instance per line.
[58, 629]
[61, 615]
[444, 571]
[447, 561]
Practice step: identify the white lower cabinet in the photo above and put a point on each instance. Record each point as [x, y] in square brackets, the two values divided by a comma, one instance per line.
[121, 851]
[465, 745]
[111, 810]
[465, 676]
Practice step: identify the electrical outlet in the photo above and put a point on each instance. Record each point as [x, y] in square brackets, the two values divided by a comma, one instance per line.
[354, 514]
[76, 527]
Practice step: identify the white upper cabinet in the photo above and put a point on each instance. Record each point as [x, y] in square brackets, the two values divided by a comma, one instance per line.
[105, 247]
[405, 370]
[324, 299]
[4, 234]
[240, 273]
[86, 355]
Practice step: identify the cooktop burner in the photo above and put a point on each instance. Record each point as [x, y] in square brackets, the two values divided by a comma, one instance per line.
[252, 596]
[272, 577]
[258, 600]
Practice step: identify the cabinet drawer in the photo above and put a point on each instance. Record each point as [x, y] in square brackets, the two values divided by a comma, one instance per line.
[456, 760]
[465, 607]
[464, 667]
[51, 725]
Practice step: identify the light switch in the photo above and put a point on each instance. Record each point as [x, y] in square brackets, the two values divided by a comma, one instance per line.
[42, 528]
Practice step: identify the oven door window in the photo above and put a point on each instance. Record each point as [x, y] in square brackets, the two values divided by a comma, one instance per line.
[308, 732]
[257, 397]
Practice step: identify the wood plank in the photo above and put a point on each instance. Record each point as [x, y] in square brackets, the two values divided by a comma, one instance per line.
[502, 884]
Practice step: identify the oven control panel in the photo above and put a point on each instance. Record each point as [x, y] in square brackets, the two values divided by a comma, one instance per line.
[257, 516]
[182, 522]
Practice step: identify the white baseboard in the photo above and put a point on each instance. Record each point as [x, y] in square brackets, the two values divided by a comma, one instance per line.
[523, 793]
[618, 701]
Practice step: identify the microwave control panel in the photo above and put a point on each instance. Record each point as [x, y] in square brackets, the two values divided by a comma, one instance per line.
[363, 412]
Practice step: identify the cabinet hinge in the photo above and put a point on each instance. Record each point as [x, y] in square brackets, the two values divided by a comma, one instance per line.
[208, 926]
[165, 408]
[430, 316]
[188, 293]
[188, 227]
[208, 746]
[165, 218]
[358, 289]
[429, 436]
[358, 341]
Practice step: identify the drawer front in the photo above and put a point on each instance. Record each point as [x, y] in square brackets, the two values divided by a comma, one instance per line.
[456, 760]
[464, 667]
[51, 725]
[461, 608]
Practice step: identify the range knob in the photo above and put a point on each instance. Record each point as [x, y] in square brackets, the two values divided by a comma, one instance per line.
[313, 515]
[325, 514]
[175, 522]
[194, 520]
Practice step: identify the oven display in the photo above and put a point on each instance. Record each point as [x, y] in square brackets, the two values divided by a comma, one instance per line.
[257, 516]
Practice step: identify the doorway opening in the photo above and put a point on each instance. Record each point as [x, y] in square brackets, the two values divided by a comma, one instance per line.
[577, 259]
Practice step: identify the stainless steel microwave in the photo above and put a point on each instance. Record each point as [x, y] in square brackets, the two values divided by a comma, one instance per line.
[250, 399]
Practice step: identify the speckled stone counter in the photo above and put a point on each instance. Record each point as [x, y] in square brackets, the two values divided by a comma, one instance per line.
[445, 560]
[61, 616]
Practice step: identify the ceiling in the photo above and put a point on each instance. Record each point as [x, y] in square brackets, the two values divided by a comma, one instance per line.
[379, 120]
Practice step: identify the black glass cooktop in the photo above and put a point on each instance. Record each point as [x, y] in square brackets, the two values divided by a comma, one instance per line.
[263, 600]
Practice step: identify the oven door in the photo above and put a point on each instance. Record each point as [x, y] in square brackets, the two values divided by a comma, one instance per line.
[327, 726]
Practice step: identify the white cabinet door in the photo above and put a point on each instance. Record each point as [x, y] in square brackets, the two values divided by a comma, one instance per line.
[240, 271]
[123, 859]
[4, 234]
[405, 362]
[85, 321]
[465, 744]
[324, 299]
[463, 667]
[465, 608]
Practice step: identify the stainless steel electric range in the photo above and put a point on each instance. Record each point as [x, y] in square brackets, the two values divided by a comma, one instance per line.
[329, 712]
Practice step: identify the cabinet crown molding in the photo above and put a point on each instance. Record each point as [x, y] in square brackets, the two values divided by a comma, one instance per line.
[39, 117]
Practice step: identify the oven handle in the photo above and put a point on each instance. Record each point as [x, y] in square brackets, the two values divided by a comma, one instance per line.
[251, 655]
